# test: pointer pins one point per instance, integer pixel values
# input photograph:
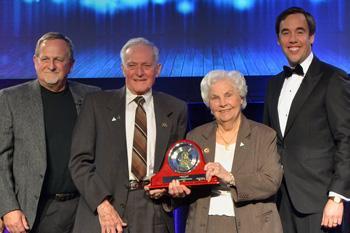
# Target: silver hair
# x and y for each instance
(139, 41)
(235, 77)
(55, 36)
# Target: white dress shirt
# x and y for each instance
(130, 109)
(221, 202)
(289, 89)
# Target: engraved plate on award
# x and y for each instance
(184, 162)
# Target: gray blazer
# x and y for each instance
(258, 174)
(23, 147)
(99, 163)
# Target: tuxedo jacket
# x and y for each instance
(258, 174)
(315, 148)
(23, 147)
(99, 161)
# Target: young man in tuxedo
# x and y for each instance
(308, 105)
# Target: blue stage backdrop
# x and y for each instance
(194, 36)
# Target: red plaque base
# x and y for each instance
(187, 154)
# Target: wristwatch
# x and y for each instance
(336, 199)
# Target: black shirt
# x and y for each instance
(59, 117)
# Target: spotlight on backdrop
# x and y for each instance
(185, 7)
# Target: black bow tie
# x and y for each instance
(296, 70)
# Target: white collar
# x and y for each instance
(130, 96)
(307, 62)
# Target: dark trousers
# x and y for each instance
(346, 219)
(143, 214)
(295, 222)
(55, 216)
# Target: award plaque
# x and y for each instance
(184, 162)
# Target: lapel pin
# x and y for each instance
(242, 144)
(206, 150)
(114, 119)
(164, 125)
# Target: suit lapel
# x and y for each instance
(242, 145)
(115, 116)
(308, 84)
(36, 120)
(278, 81)
(77, 95)
(209, 142)
(163, 126)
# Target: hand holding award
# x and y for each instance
(184, 162)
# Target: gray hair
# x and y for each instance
(139, 41)
(235, 77)
(55, 36)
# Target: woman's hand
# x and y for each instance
(216, 169)
(175, 189)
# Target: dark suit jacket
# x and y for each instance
(99, 164)
(23, 146)
(258, 174)
(315, 149)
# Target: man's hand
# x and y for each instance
(178, 190)
(16, 222)
(332, 214)
(109, 218)
(155, 193)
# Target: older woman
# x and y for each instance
(242, 154)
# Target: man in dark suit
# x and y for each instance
(308, 105)
(102, 162)
(36, 124)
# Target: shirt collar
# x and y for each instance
(130, 96)
(307, 62)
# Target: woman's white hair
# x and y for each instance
(235, 77)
